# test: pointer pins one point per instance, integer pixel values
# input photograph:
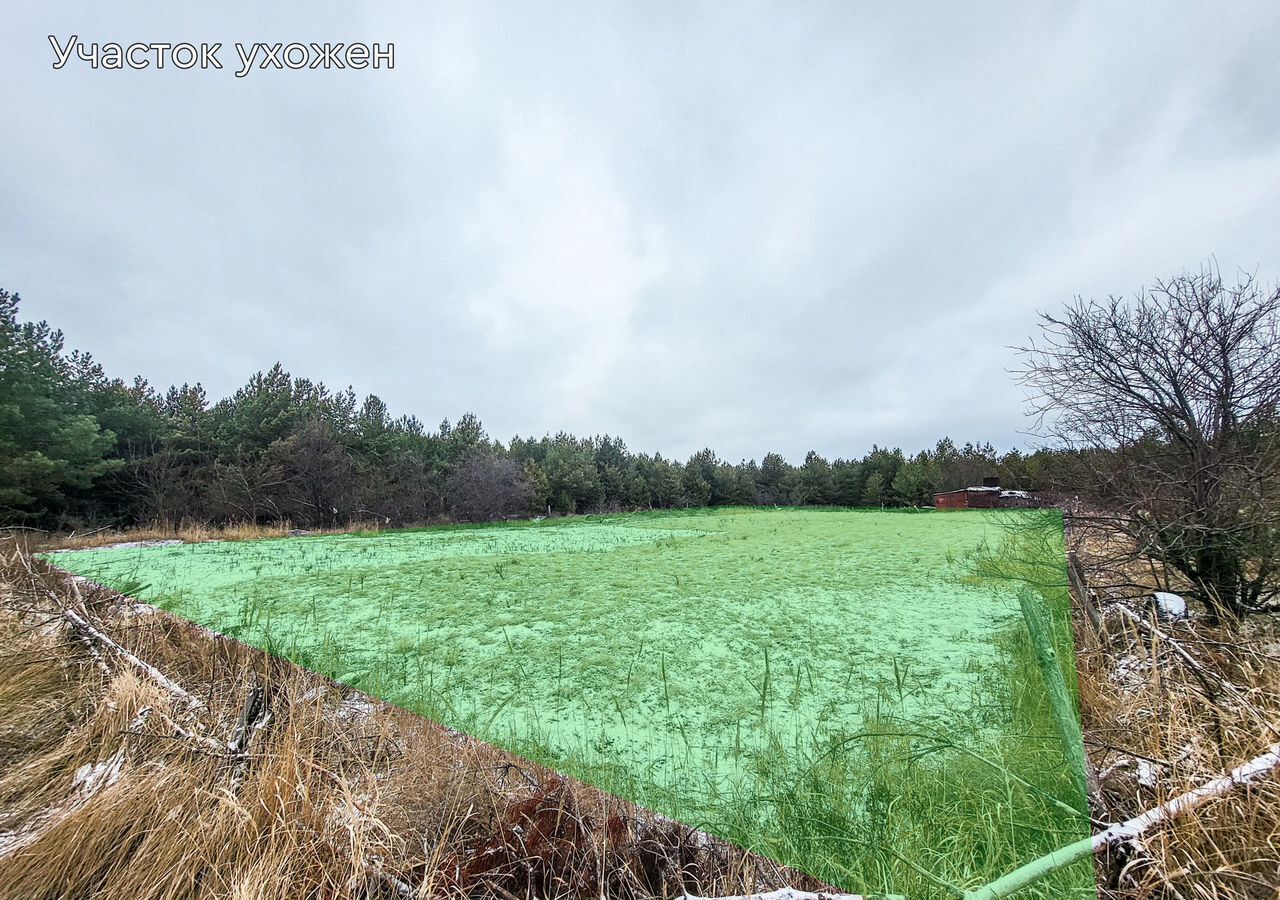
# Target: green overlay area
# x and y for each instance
(852, 692)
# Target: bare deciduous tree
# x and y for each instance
(1172, 399)
(485, 487)
(319, 472)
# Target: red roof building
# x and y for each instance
(968, 498)
(985, 496)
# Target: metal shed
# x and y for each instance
(977, 497)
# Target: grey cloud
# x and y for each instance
(750, 227)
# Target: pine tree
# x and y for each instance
(49, 445)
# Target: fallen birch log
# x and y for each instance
(82, 625)
(1132, 829)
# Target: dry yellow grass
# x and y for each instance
(1155, 728)
(190, 532)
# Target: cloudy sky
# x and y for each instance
(742, 225)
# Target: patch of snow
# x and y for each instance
(13, 841)
(1144, 770)
(1187, 752)
(87, 780)
(92, 776)
(53, 627)
(135, 610)
(129, 545)
(1170, 606)
(1130, 671)
(355, 708)
(1146, 773)
(140, 719)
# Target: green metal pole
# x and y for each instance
(1033, 871)
(1064, 712)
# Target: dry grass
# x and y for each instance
(112, 787)
(1155, 728)
(187, 531)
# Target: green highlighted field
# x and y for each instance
(838, 689)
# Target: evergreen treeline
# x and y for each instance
(78, 448)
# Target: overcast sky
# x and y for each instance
(747, 226)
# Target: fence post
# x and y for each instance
(1075, 574)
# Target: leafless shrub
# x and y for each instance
(485, 487)
(1170, 401)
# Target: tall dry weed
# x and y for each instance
(1156, 727)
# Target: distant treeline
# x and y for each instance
(80, 449)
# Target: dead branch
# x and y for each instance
(1177, 648)
(82, 625)
(253, 717)
(254, 710)
(1203, 674)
